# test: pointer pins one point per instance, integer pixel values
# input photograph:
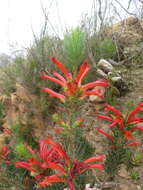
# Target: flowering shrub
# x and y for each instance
(51, 156)
(125, 124)
(72, 87)
(120, 137)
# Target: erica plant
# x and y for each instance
(68, 121)
(72, 87)
(73, 91)
(52, 165)
(64, 161)
(121, 137)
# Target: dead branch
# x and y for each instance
(100, 14)
(126, 10)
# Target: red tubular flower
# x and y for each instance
(72, 87)
(4, 152)
(62, 68)
(134, 143)
(125, 124)
(105, 134)
(28, 166)
(82, 72)
(128, 135)
(106, 118)
(135, 111)
(94, 84)
(114, 110)
(116, 119)
(71, 185)
(60, 77)
(54, 80)
(96, 92)
(54, 166)
(95, 158)
(138, 128)
(96, 166)
(112, 125)
(52, 156)
(49, 180)
(58, 148)
(80, 167)
(135, 120)
(54, 94)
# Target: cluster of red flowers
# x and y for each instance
(4, 153)
(126, 124)
(72, 87)
(52, 156)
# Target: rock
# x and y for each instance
(93, 98)
(105, 65)
(116, 79)
(127, 186)
(87, 187)
(102, 74)
(139, 187)
(123, 173)
(108, 72)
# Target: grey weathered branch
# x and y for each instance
(126, 10)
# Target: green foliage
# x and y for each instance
(134, 174)
(16, 177)
(26, 70)
(104, 48)
(43, 49)
(21, 132)
(21, 151)
(74, 48)
(130, 105)
(16, 127)
(83, 148)
(115, 158)
(79, 149)
(137, 159)
(74, 140)
(76, 145)
(56, 186)
(20, 71)
(8, 76)
(80, 182)
(111, 95)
